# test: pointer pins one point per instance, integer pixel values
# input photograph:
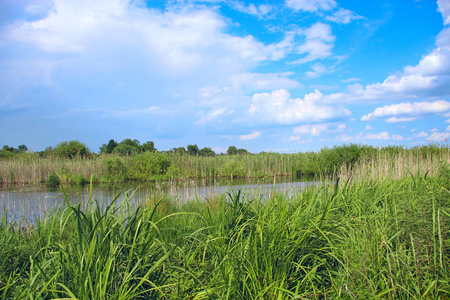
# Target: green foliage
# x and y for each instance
(148, 147)
(116, 169)
(206, 152)
(71, 149)
(22, 148)
(232, 168)
(108, 148)
(148, 166)
(232, 150)
(192, 149)
(52, 181)
(6, 153)
(126, 149)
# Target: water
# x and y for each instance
(32, 202)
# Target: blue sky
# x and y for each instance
(284, 76)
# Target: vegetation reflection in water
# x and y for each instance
(32, 201)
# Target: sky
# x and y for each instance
(284, 76)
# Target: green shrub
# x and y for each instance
(116, 170)
(147, 166)
(72, 149)
(52, 181)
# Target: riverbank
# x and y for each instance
(30, 169)
(360, 238)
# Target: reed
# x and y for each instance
(345, 161)
(361, 238)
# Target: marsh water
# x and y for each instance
(31, 202)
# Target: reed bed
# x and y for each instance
(344, 161)
(353, 239)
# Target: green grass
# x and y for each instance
(359, 238)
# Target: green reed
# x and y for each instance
(351, 238)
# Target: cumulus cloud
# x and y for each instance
(311, 5)
(179, 39)
(250, 136)
(408, 111)
(343, 16)
(368, 127)
(278, 108)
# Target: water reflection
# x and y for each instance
(32, 202)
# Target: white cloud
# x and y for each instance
(259, 11)
(397, 137)
(269, 81)
(400, 120)
(311, 5)
(343, 16)
(318, 43)
(174, 39)
(318, 69)
(298, 140)
(422, 134)
(444, 9)
(378, 136)
(250, 136)
(368, 127)
(429, 78)
(319, 129)
(211, 116)
(277, 107)
(408, 111)
(438, 137)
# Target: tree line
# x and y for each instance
(126, 147)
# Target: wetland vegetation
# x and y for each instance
(377, 227)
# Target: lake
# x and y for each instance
(33, 201)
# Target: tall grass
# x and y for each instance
(353, 160)
(362, 238)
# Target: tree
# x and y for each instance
(179, 150)
(192, 149)
(108, 148)
(125, 149)
(206, 152)
(148, 147)
(23, 148)
(72, 149)
(232, 150)
(130, 142)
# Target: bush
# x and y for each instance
(72, 149)
(147, 166)
(116, 170)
